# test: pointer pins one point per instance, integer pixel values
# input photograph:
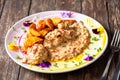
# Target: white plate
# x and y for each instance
(94, 50)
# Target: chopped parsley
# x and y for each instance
(42, 68)
(13, 28)
(65, 65)
(55, 64)
(92, 26)
(86, 54)
(17, 57)
(51, 70)
(91, 42)
(95, 39)
(24, 30)
(86, 46)
(80, 62)
(99, 49)
(94, 55)
(73, 61)
(76, 64)
(16, 37)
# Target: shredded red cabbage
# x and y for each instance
(44, 64)
(95, 31)
(27, 23)
(88, 58)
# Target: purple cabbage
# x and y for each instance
(95, 31)
(27, 23)
(88, 58)
(44, 64)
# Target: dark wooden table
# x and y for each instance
(107, 12)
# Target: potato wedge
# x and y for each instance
(34, 32)
(49, 23)
(44, 31)
(41, 25)
(13, 46)
(30, 41)
(33, 26)
(69, 21)
(56, 20)
(29, 34)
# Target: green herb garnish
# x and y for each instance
(73, 61)
(80, 62)
(55, 64)
(65, 65)
(99, 49)
(13, 28)
(86, 46)
(24, 30)
(16, 37)
(17, 57)
(91, 42)
(95, 39)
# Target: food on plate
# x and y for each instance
(41, 25)
(13, 46)
(35, 54)
(34, 32)
(54, 39)
(49, 23)
(56, 20)
(44, 31)
(30, 41)
(67, 42)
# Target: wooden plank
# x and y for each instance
(72, 5)
(42, 5)
(98, 10)
(13, 11)
(76, 75)
(2, 2)
(62, 76)
(114, 11)
(114, 22)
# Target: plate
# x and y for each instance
(97, 46)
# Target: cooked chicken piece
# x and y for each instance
(35, 54)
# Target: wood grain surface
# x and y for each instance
(107, 12)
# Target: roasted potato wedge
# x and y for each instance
(13, 46)
(41, 25)
(34, 32)
(44, 31)
(49, 23)
(29, 35)
(69, 21)
(30, 41)
(33, 26)
(56, 20)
